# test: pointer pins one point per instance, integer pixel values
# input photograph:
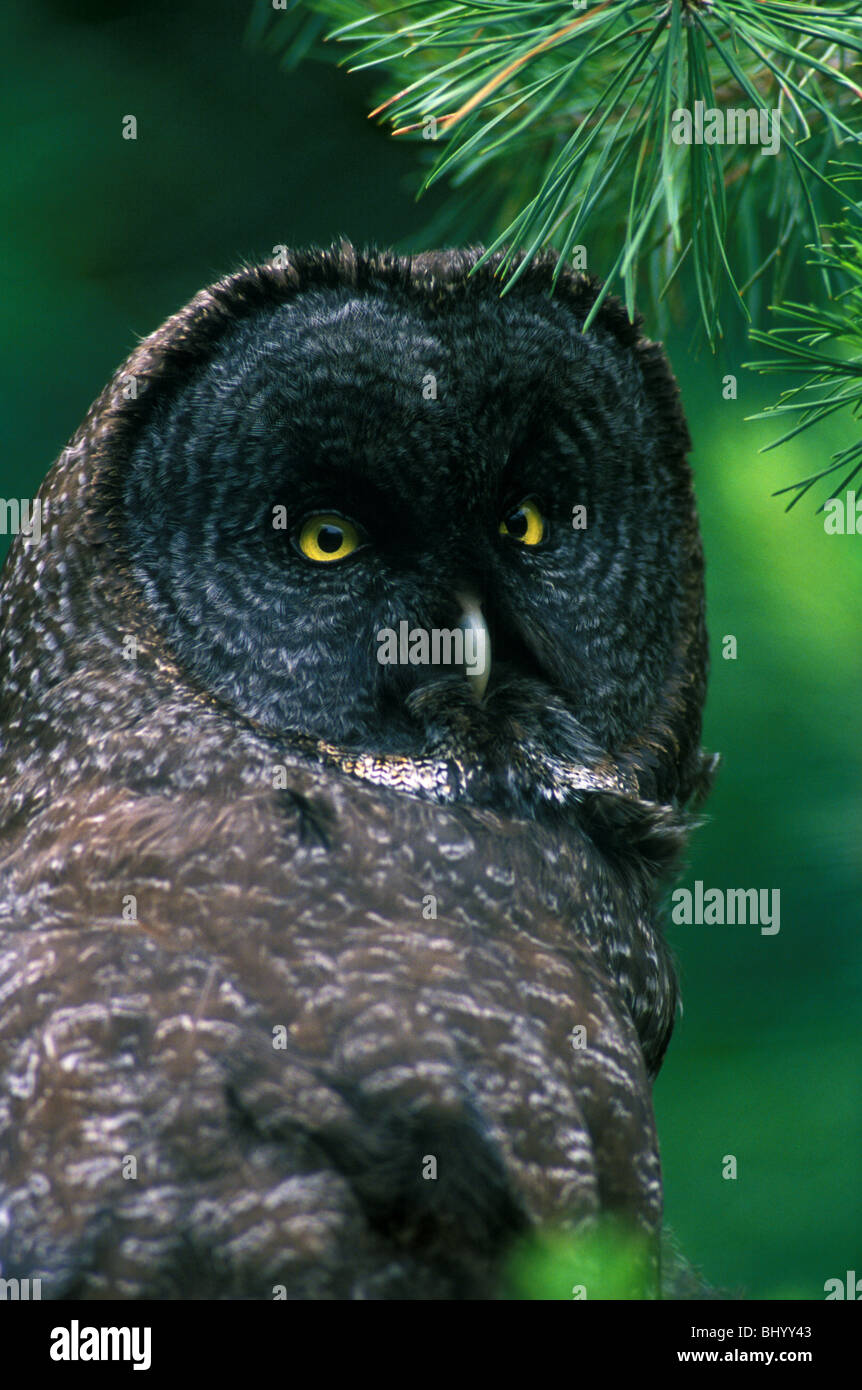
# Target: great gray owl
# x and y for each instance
(323, 974)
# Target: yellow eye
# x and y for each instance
(524, 523)
(326, 537)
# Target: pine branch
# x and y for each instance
(824, 344)
(564, 123)
(559, 126)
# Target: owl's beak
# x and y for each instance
(477, 643)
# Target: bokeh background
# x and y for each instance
(101, 238)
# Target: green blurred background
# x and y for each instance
(102, 238)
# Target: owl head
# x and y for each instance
(443, 538)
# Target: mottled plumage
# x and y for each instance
(221, 817)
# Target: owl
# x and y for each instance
(350, 697)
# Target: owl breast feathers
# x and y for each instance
(330, 969)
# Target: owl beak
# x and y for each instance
(477, 643)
